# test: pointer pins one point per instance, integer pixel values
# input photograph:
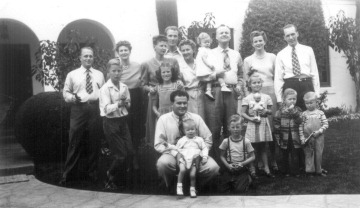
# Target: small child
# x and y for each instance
(191, 149)
(236, 153)
(203, 66)
(286, 126)
(313, 126)
(167, 77)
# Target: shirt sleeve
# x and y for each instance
(204, 148)
(324, 122)
(249, 147)
(68, 87)
(269, 100)
(205, 133)
(144, 77)
(105, 101)
(128, 98)
(278, 78)
(160, 138)
(245, 101)
(314, 73)
(277, 125)
(224, 144)
(301, 126)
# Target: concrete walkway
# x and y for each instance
(34, 193)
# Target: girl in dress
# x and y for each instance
(204, 67)
(167, 77)
(258, 130)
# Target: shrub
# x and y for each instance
(272, 16)
(41, 126)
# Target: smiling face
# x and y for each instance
(190, 129)
(123, 52)
(205, 42)
(115, 73)
(235, 129)
(86, 58)
(223, 34)
(161, 47)
(255, 84)
(291, 36)
(173, 38)
(166, 73)
(180, 105)
(258, 42)
(187, 52)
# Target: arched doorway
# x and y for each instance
(18, 44)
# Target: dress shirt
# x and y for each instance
(284, 69)
(175, 55)
(76, 83)
(110, 97)
(167, 130)
(216, 57)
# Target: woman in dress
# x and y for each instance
(191, 82)
(264, 63)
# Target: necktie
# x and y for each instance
(226, 60)
(89, 88)
(295, 62)
(181, 126)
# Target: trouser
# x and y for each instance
(83, 117)
(119, 140)
(217, 114)
(136, 119)
(301, 87)
(166, 166)
(234, 182)
(291, 166)
(313, 154)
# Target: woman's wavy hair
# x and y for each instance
(174, 73)
(252, 73)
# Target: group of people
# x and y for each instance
(201, 110)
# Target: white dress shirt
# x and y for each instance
(76, 83)
(110, 96)
(284, 69)
(216, 57)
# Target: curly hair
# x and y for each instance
(188, 42)
(174, 73)
(178, 93)
(202, 36)
(125, 43)
(258, 33)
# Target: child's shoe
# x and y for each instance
(225, 89)
(179, 189)
(254, 176)
(192, 192)
(321, 174)
(209, 95)
(324, 171)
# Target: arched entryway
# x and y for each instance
(18, 44)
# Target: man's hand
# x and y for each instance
(180, 158)
(204, 160)
(302, 139)
(179, 85)
(316, 134)
(264, 112)
(152, 90)
(220, 73)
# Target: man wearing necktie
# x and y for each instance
(169, 129)
(228, 65)
(296, 68)
(81, 88)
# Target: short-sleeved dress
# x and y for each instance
(201, 68)
(258, 132)
(163, 96)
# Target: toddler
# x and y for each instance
(236, 153)
(312, 128)
(192, 149)
(204, 67)
(286, 131)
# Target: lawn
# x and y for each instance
(341, 159)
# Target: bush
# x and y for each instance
(41, 126)
(272, 16)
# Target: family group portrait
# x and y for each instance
(179, 100)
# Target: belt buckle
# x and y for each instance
(301, 79)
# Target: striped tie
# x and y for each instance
(89, 88)
(226, 60)
(295, 62)
(181, 126)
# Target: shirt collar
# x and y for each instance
(85, 70)
(177, 51)
(111, 84)
(186, 115)
(221, 49)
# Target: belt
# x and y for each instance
(89, 102)
(305, 79)
(227, 85)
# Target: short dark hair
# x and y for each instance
(178, 93)
(256, 34)
(159, 38)
(188, 42)
(171, 28)
(125, 43)
(174, 73)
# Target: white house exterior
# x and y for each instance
(27, 22)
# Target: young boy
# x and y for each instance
(191, 149)
(236, 153)
(114, 105)
(312, 128)
(286, 125)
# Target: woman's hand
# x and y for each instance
(152, 90)
(255, 119)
